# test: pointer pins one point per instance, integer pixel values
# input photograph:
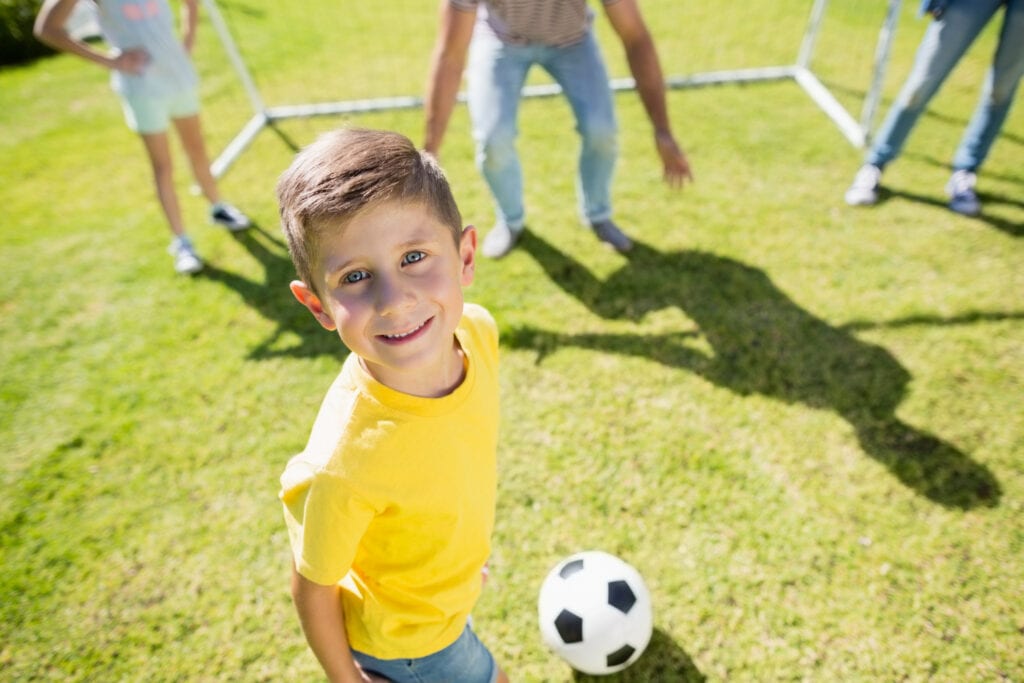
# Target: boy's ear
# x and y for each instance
(307, 298)
(467, 252)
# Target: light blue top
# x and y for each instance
(147, 24)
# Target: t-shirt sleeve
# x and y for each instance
(464, 5)
(325, 521)
(479, 321)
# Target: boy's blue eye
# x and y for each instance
(355, 276)
(413, 257)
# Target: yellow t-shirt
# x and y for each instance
(394, 498)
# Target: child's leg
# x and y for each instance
(221, 213)
(159, 152)
(191, 134)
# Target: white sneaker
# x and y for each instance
(960, 190)
(186, 260)
(229, 216)
(864, 190)
(500, 240)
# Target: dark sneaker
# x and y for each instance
(610, 234)
(500, 240)
(864, 190)
(228, 216)
(962, 198)
(186, 260)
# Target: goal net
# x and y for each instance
(331, 57)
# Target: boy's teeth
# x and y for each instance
(400, 336)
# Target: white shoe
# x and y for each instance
(500, 240)
(229, 216)
(186, 260)
(864, 189)
(960, 190)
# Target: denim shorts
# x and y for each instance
(466, 660)
(147, 114)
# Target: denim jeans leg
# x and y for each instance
(997, 95)
(495, 78)
(580, 70)
(943, 45)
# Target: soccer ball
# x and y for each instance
(595, 612)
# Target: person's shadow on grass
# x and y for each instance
(271, 298)
(662, 662)
(761, 343)
(987, 198)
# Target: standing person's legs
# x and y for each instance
(158, 150)
(495, 78)
(183, 108)
(191, 134)
(944, 43)
(997, 94)
(149, 117)
(581, 72)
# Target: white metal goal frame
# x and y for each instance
(856, 130)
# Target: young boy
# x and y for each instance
(152, 73)
(390, 507)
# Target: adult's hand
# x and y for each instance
(673, 160)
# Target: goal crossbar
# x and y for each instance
(854, 130)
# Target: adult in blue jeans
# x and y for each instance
(955, 25)
(503, 39)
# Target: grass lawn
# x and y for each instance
(800, 421)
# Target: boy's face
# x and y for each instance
(391, 285)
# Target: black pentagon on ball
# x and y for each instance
(621, 656)
(620, 596)
(569, 626)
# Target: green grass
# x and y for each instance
(801, 422)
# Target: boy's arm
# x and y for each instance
(447, 64)
(49, 28)
(320, 614)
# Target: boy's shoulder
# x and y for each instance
(330, 424)
(478, 319)
(478, 334)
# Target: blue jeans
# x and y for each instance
(466, 660)
(496, 74)
(944, 43)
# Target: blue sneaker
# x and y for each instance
(962, 198)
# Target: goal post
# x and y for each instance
(802, 70)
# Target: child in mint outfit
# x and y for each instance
(154, 77)
(390, 507)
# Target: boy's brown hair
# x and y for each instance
(347, 171)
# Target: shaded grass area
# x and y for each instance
(797, 419)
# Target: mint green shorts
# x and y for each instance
(147, 114)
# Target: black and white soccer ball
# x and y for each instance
(595, 612)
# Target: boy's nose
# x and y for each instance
(393, 296)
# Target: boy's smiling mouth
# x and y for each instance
(406, 336)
